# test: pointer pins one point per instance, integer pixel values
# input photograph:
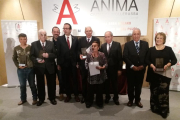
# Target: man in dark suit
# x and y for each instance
(43, 55)
(113, 53)
(67, 53)
(85, 42)
(56, 33)
(134, 55)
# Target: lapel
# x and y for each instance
(39, 46)
(90, 43)
(65, 42)
(105, 49)
(47, 45)
(133, 46)
(73, 40)
(111, 47)
(141, 46)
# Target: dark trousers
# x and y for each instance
(61, 84)
(84, 74)
(135, 81)
(94, 88)
(67, 73)
(50, 78)
(112, 78)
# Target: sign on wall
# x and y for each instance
(118, 16)
(171, 27)
(10, 31)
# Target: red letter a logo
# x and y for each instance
(71, 14)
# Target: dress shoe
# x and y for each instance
(54, 102)
(67, 99)
(61, 97)
(107, 100)
(34, 102)
(39, 103)
(77, 99)
(116, 101)
(164, 114)
(21, 102)
(88, 105)
(100, 105)
(82, 100)
(130, 103)
(139, 104)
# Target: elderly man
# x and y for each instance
(67, 49)
(134, 56)
(43, 55)
(56, 33)
(113, 53)
(84, 43)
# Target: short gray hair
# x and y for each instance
(136, 29)
(88, 27)
(41, 30)
(109, 32)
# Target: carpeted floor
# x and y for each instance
(9, 110)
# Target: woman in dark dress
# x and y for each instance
(95, 82)
(159, 80)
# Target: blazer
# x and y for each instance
(66, 56)
(115, 55)
(49, 62)
(84, 44)
(131, 57)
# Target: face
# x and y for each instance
(88, 32)
(108, 37)
(42, 36)
(23, 40)
(136, 35)
(159, 40)
(56, 33)
(95, 47)
(66, 29)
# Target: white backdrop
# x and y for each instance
(10, 32)
(118, 16)
(171, 27)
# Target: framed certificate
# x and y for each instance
(40, 57)
(159, 64)
(84, 53)
(22, 60)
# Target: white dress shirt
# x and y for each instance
(89, 39)
(42, 43)
(108, 45)
(70, 39)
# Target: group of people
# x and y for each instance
(62, 56)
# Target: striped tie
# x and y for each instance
(137, 47)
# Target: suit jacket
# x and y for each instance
(131, 57)
(49, 62)
(65, 55)
(115, 55)
(84, 44)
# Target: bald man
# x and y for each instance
(134, 56)
(85, 42)
(113, 53)
(43, 55)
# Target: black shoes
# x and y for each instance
(88, 105)
(39, 103)
(54, 102)
(82, 100)
(139, 104)
(116, 101)
(107, 100)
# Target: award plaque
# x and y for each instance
(159, 64)
(22, 60)
(40, 57)
(84, 53)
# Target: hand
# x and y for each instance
(41, 61)
(22, 67)
(153, 67)
(81, 57)
(58, 67)
(141, 67)
(166, 66)
(135, 68)
(45, 55)
(119, 72)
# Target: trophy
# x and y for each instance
(84, 53)
(159, 64)
(40, 56)
(22, 59)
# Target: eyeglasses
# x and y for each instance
(66, 28)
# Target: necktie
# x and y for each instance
(68, 42)
(88, 40)
(43, 46)
(137, 47)
(109, 48)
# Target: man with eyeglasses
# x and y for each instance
(67, 54)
